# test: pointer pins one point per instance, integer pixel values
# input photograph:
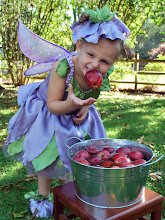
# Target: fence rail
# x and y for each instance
(136, 62)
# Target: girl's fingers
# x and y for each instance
(89, 101)
(78, 101)
(77, 121)
(70, 89)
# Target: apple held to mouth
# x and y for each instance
(93, 79)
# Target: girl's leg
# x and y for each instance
(43, 207)
(44, 185)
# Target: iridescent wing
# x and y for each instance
(38, 49)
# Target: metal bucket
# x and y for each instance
(106, 187)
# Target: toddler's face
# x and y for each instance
(100, 56)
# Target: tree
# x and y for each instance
(151, 38)
(52, 19)
(40, 17)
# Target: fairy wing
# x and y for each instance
(38, 50)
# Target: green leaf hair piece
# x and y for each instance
(100, 15)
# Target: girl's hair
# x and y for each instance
(83, 18)
(125, 52)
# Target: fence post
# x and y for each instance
(136, 69)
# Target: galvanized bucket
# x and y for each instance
(106, 187)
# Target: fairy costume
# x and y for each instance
(36, 136)
(35, 133)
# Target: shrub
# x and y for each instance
(122, 70)
(156, 67)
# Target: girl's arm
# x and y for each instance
(56, 89)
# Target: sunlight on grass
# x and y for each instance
(3, 132)
(112, 134)
(11, 169)
(8, 111)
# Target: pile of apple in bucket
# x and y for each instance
(109, 158)
(109, 173)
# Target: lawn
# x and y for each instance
(137, 117)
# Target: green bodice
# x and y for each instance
(63, 70)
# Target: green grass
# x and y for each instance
(125, 116)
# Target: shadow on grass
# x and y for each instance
(8, 107)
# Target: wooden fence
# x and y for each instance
(136, 62)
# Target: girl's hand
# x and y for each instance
(55, 94)
(81, 115)
(75, 102)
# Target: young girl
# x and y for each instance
(62, 105)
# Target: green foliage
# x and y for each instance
(52, 20)
(122, 70)
(151, 37)
(48, 20)
(156, 66)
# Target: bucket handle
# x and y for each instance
(147, 164)
(65, 142)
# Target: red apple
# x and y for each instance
(104, 154)
(92, 150)
(138, 162)
(81, 160)
(82, 153)
(124, 150)
(135, 155)
(107, 163)
(95, 160)
(115, 156)
(122, 161)
(109, 149)
(115, 167)
(130, 165)
(93, 79)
